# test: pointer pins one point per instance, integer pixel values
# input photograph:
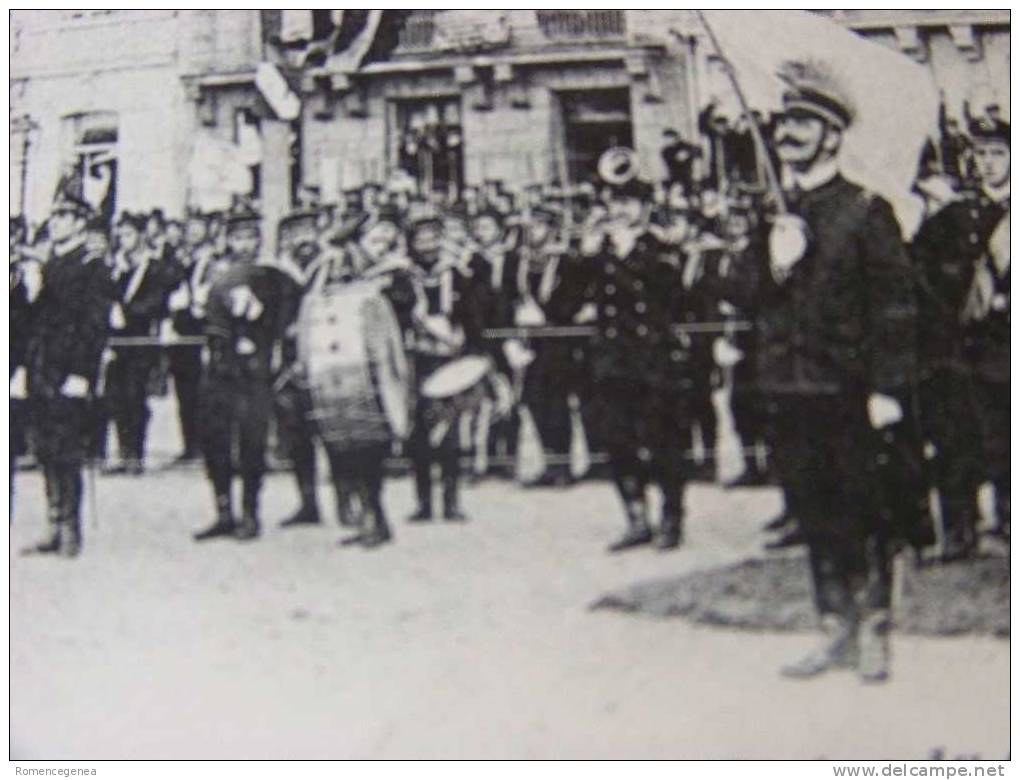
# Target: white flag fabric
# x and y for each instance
(895, 100)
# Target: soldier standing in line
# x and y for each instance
(249, 308)
(438, 333)
(25, 274)
(298, 249)
(551, 284)
(836, 318)
(640, 364)
(962, 256)
(195, 258)
(142, 281)
(70, 326)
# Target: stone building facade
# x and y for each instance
(460, 98)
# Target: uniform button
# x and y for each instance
(676, 355)
(578, 355)
(640, 307)
(610, 269)
(610, 289)
(610, 311)
(973, 238)
(639, 285)
(610, 333)
(642, 330)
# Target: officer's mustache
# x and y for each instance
(785, 139)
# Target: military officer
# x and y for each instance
(962, 256)
(25, 274)
(835, 316)
(640, 364)
(64, 356)
(249, 308)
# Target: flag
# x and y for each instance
(895, 100)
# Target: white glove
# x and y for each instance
(529, 313)
(787, 245)
(245, 346)
(240, 298)
(75, 386)
(883, 410)
(32, 279)
(117, 320)
(725, 354)
(19, 384)
(588, 313)
(180, 299)
(517, 355)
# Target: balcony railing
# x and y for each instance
(582, 25)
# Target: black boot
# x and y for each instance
(70, 538)
(51, 544)
(307, 514)
(423, 514)
(671, 531)
(638, 531)
(451, 502)
(224, 524)
(249, 527)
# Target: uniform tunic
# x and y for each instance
(641, 366)
(964, 360)
(236, 388)
(840, 328)
(69, 333)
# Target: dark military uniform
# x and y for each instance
(641, 369)
(555, 279)
(440, 291)
(839, 329)
(69, 333)
(237, 385)
(186, 360)
(965, 362)
(142, 294)
(20, 323)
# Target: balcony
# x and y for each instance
(582, 26)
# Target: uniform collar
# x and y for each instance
(817, 176)
(999, 195)
(69, 245)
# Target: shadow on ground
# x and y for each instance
(969, 597)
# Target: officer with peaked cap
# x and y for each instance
(71, 314)
(835, 316)
(249, 309)
(962, 256)
(640, 364)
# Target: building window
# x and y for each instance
(594, 120)
(249, 143)
(430, 144)
(93, 156)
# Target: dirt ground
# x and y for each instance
(471, 641)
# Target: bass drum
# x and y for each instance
(350, 345)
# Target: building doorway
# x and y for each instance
(594, 120)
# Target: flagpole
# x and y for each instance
(759, 141)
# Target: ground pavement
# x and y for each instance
(457, 641)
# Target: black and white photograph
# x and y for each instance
(510, 385)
